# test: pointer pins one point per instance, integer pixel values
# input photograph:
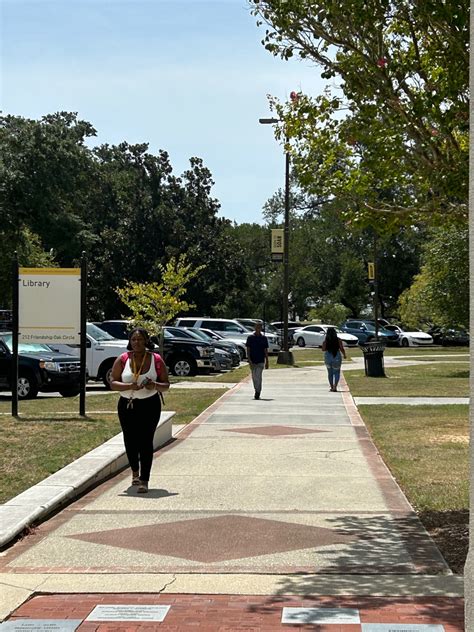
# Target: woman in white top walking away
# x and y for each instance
(141, 376)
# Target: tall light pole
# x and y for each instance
(285, 356)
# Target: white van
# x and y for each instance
(227, 328)
(101, 351)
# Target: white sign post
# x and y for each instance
(49, 305)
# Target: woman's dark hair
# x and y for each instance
(332, 341)
(143, 332)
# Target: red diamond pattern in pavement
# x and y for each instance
(274, 431)
(219, 538)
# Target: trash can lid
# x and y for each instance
(372, 347)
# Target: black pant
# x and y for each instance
(139, 423)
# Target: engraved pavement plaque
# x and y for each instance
(297, 616)
(40, 625)
(402, 627)
(128, 613)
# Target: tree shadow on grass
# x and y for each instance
(458, 374)
(450, 532)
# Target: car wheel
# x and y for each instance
(242, 354)
(107, 375)
(27, 386)
(405, 342)
(69, 392)
(300, 342)
(183, 367)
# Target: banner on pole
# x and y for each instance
(371, 271)
(49, 305)
(278, 246)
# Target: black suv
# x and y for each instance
(183, 356)
(39, 368)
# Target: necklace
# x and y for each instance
(133, 366)
(136, 375)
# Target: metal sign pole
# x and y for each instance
(83, 368)
(376, 289)
(15, 333)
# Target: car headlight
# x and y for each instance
(50, 366)
(204, 351)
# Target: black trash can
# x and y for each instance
(373, 358)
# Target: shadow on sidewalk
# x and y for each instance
(152, 493)
(437, 609)
(395, 547)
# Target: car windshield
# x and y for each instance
(201, 334)
(24, 347)
(97, 333)
(185, 333)
(213, 334)
(271, 329)
(326, 327)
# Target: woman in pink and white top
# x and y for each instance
(141, 376)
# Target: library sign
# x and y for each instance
(49, 305)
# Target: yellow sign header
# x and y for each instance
(48, 271)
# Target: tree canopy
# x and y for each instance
(389, 136)
(120, 204)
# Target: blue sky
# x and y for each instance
(187, 76)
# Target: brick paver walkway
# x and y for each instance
(256, 506)
(226, 613)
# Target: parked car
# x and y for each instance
(314, 335)
(223, 360)
(414, 338)
(183, 356)
(101, 351)
(218, 343)
(267, 328)
(6, 320)
(292, 327)
(292, 324)
(40, 369)
(117, 328)
(227, 328)
(364, 330)
(449, 337)
(238, 342)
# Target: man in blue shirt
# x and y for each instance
(257, 354)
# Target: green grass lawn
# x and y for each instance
(442, 379)
(42, 441)
(409, 352)
(301, 357)
(427, 451)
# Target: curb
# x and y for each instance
(68, 483)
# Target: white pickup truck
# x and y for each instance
(101, 351)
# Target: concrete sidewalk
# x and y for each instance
(273, 499)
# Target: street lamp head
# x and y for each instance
(268, 121)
